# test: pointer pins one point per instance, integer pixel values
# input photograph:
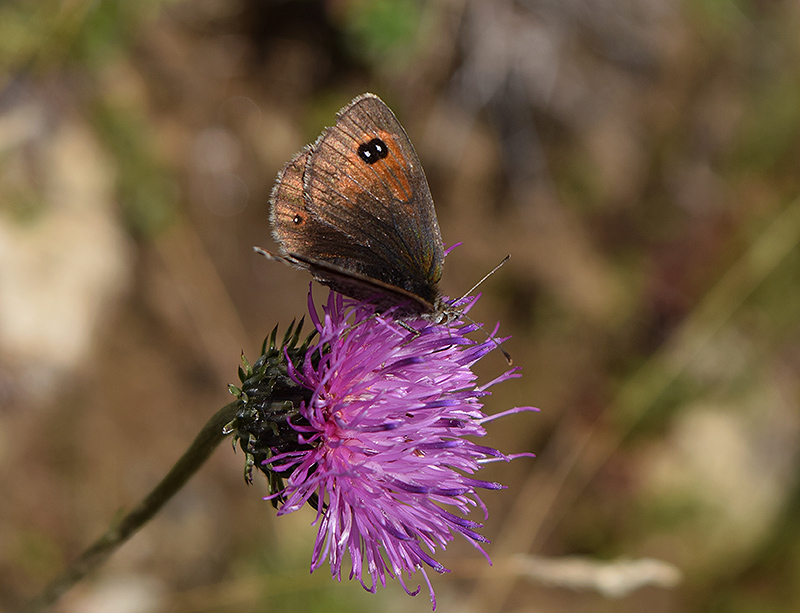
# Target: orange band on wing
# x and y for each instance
(393, 168)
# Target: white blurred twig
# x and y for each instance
(613, 579)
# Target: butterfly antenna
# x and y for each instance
(497, 344)
(486, 276)
(505, 353)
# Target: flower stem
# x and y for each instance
(120, 531)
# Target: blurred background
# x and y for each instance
(637, 158)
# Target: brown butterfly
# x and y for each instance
(355, 210)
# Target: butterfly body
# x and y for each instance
(355, 210)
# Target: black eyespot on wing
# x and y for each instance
(373, 151)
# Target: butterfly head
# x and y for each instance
(443, 311)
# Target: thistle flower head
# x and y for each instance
(373, 434)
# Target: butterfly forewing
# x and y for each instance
(355, 209)
(383, 204)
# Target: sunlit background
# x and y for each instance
(639, 160)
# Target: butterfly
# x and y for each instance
(355, 210)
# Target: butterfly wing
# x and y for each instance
(308, 242)
(294, 226)
(364, 185)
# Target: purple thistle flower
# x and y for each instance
(380, 447)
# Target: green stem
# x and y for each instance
(199, 451)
